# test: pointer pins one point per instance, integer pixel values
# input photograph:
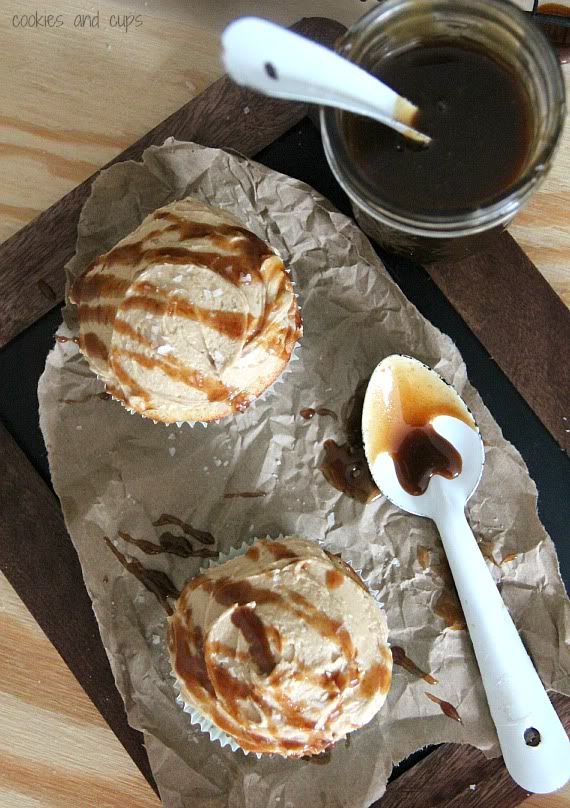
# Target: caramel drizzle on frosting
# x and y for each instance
(230, 323)
(251, 626)
(214, 389)
(239, 262)
(334, 579)
(103, 314)
(127, 381)
(93, 346)
(94, 284)
(229, 264)
(200, 666)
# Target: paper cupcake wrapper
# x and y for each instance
(196, 716)
(267, 392)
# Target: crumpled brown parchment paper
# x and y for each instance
(115, 472)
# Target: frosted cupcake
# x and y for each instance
(189, 318)
(281, 650)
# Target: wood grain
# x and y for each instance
(85, 95)
(56, 750)
(39, 561)
(217, 118)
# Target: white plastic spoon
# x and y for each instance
(533, 741)
(274, 61)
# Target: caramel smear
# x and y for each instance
(155, 581)
(169, 543)
(309, 412)
(446, 708)
(486, 548)
(423, 554)
(449, 609)
(61, 338)
(319, 760)
(200, 535)
(102, 396)
(400, 658)
(447, 605)
(245, 494)
(345, 466)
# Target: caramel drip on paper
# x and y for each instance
(62, 338)
(200, 535)
(400, 658)
(169, 543)
(447, 605)
(155, 581)
(245, 494)
(424, 556)
(100, 396)
(309, 412)
(345, 466)
(446, 708)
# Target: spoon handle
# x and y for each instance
(534, 743)
(282, 64)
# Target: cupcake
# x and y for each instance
(281, 650)
(189, 318)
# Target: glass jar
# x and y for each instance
(506, 34)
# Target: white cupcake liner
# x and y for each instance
(196, 717)
(262, 397)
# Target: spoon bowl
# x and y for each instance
(401, 400)
(468, 443)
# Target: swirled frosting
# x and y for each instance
(188, 318)
(282, 648)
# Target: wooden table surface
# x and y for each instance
(71, 98)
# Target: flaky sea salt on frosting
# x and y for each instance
(190, 317)
(282, 648)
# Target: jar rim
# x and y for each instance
(460, 223)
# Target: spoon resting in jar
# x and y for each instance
(426, 455)
(277, 62)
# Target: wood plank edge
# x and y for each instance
(33, 540)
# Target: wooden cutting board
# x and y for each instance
(33, 538)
